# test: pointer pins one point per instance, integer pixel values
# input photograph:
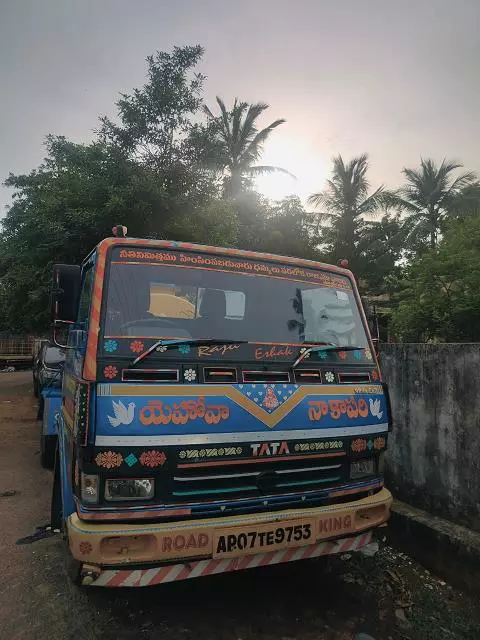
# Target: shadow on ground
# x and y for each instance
(388, 596)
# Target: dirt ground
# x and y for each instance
(388, 596)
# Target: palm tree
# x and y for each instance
(429, 195)
(241, 143)
(345, 200)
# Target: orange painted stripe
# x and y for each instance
(254, 255)
(117, 580)
(90, 365)
(267, 559)
(185, 573)
(163, 573)
(309, 550)
(289, 554)
(210, 567)
(220, 463)
(329, 546)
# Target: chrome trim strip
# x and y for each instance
(302, 470)
(225, 476)
(246, 436)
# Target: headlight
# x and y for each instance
(89, 488)
(129, 489)
(363, 467)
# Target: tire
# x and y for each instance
(72, 566)
(48, 445)
(41, 406)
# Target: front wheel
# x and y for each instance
(73, 567)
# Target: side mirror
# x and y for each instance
(65, 292)
(60, 329)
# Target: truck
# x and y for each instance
(221, 409)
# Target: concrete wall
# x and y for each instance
(434, 450)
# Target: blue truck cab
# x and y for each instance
(52, 405)
(220, 409)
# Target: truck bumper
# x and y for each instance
(147, 577)
(143, 554)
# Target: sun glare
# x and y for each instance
(310, 170)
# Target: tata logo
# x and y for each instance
(270, 449)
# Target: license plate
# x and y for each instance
(362, 468)
(268, 537)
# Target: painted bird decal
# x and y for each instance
(122, 414)
(375, 408)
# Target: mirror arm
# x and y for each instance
(55, 325)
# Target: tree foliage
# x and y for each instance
(440, 296)
(153, 168)
(344, 203)
(240, 143)
(167, 167)
(429, 196)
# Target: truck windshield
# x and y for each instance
(176, 301)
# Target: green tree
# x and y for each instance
(429, 195)
(380, 248)
(286, 229)
(240, 143)
(155, 128)
(468, 202)
(344, 203)
(440, 297)
(144, 172)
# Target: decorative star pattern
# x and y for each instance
(265, 394)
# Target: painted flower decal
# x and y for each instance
(379, 443)
(329, 376)
(374, 374)
(342, 355)
(152, 459)
(304, 350)
(184, 349)
(190, 375)
(357, 355)
(136, 346)
(85, 548)
(322, 354)
(110, 372)
(161, 348)
(359, 445)
(109, 459)
(110, 346)
(368, 354)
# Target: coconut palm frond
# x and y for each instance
(260, 170)
(242, 141)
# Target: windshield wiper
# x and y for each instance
(200, 342)
(323, 346)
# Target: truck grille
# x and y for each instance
(247, 478)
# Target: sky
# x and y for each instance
(398, 80)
